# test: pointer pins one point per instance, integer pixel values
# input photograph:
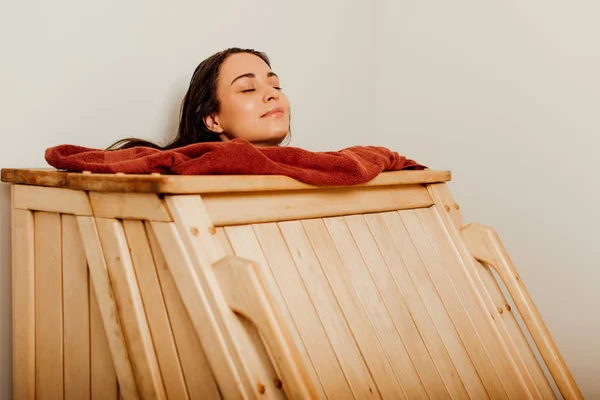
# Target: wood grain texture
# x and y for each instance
(173, 184)
(23, 304)
(51, 199)
(76, 312)
(48, 307)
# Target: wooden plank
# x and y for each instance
(246, 293)
(410, 267)
(242, 242)
(144, 206)
(131, 309)
(200, 381)
(460, 274)
(249, 355)
(300, 245)
(76, 312)
(194, 289)
(486, 246)
(23, 304)
(296, 308)
(52, 200)
(473, 324)
(195, 184)
(102, 370)
(399, 313)
(453, 221)
(48, 306)
(514, 332)
(156, 312)
(384, 354)
(256, 207)
(111, 321)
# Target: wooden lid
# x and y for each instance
(188, 184)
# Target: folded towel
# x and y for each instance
(351, 166)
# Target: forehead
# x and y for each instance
(240, 64)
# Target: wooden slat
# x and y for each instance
(23, 304)
(76, 312)
(435, 306)
(452, 219)
(384, 354)
(459, 274)
(102, 370)
(300, 245)
(195, 292)
(144, 206)
(400, 314)
(105, 297)
(399, 291)
(486, 247)
(131, 309)
(199, 377)
(256, 207)
(242, 242)
(246, 294)
(195, 184)
(514, 332)
(296, 307)
(49, 199)
(48, 306)
(156, 311)
(473, 324)
(198, 236)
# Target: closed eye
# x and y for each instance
(248, 90)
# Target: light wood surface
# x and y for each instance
(107, 306)
(156, 312)
(200, 381)
(449, 219)
(131, 309)
(194, 296)
(248, 354)
(294, 302)
(237, 209)
(487, 247)
(76, 309)
(50, 199)
(144, 206)
(48, 307)
(177, 184)
(382, 350)
(23, 304)
(246, 294)
(399, 288)
(371, 261)
(102, 371)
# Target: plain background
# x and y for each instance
(504, 94)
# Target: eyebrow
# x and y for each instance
(252, 75)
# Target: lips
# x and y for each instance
(273, 112)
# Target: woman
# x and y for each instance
(232, 94)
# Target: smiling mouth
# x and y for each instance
(274, 112)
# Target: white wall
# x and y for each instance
(506, 94)
(90, 73)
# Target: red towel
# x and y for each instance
(351, 166)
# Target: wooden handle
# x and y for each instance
(246, 294)
(485, 245)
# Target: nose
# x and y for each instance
(271, 93)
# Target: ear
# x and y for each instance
(212, 123)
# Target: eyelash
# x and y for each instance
(252, 90)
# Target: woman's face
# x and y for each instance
(252, 104)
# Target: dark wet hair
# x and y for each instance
(200, 101)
